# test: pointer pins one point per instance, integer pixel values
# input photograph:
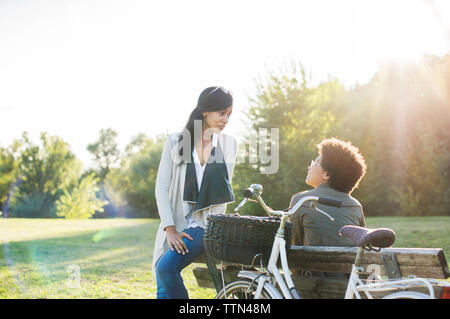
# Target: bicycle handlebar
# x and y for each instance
(256, 189)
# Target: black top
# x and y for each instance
(215, 187)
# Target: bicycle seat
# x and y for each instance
(380, 237)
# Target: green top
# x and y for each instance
(311, 228)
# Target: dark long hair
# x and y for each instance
(212, 99)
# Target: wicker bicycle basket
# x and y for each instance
(238, 239)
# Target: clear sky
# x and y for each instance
(72, 68)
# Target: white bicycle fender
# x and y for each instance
(267, 285)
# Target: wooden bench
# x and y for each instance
(391, 263)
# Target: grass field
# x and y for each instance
(38, 256)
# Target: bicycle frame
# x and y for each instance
(356, 285)
(279, 250)
(287, 285)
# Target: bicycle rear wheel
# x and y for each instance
(242, 289)
(407, 295)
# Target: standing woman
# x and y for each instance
(194, 180)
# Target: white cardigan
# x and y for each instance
(170, 187)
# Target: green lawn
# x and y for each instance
(114, 255)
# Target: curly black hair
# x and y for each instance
(343, 163)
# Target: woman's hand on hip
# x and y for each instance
(175, 240)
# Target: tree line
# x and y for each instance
(399, 119)
(46, 180)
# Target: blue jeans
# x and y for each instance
(169, 283)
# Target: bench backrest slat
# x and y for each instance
(426, 262)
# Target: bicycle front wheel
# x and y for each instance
(242, 289)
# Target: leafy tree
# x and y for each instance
(400, 121)
(8, 174)
(81, 202)
(132, 185)
(44, 171)
(105, 152)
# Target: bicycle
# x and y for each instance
(262, 284)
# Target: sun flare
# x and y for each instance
(400, 30)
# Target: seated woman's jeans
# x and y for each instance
(169, 282)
